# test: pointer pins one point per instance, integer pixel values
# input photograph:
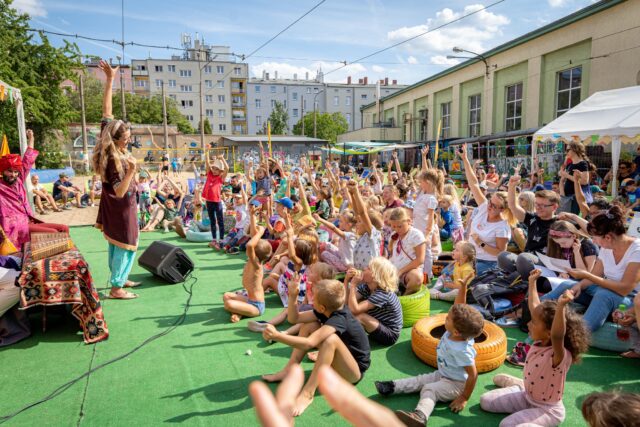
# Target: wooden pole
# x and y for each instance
(85, 143)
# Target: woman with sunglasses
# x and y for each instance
(490, 229)
(576, 160)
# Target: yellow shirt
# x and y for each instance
(462, 272)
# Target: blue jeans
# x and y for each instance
(600, 302)
(482, 266)
(216, 216)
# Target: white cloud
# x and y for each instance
(472, 33)
(286, 71)
(32, 7)
(377, 69)
(412, 60)
(557, 3)
(443, 60)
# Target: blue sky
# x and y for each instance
(338, 30)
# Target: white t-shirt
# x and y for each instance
(613, 271)
(424, 202)
(404, 249)
(487, 232)
(346, 247)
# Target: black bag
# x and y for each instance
(494, 284)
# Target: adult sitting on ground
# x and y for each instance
(41, 194)
(615, 277)
(490, 228)
(537, 224)
(63, 189)
(16, 217)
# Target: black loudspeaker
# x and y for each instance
(166, 261)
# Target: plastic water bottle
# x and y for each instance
(622, 332)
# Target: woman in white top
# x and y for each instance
(615, 277)
(406, 250)
(490, 229)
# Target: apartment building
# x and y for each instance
(207, 74)
(299, 96)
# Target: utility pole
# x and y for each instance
(164, 119)
(85, 144)
(201, 110)
(122, 104)
(302, 112)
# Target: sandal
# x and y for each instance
(519, 354)
(130, 284)
(631, 354)
(126, 295)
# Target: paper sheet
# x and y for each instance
(555, 264)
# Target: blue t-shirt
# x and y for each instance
(634, 196)
(453, 356)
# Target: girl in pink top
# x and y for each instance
(560, 336)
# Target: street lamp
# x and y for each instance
(124, 111)
(315, 108)
(476, 55)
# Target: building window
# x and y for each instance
(238, 128)
(424, 120)
(208, 98)
(304, 104)
(185, 73)
(348, 116)
(273, 103)
(272, 89)
(141, 83)
(257, 89)
(221, 99)
(294, 96)
(258, 120)
(315, 90)
(220, 84)
(173, 97)
(336, 101)
(171, 68)
(207, 69)
(158, 83)
(209, 113)
(186, 88)
(445, 112)
(221, 114)
(220, 69)
(284, 89)
(158, 68)
(285, 104)
(347, 100)
(363, 96)
(237, 71)
(186, 103)
(172, 83)
(295, 112)
(189, 117)
(308, 90)
(474, 115)
(140, 67)
(569, 86)
(513, 110)
(208, 84)
(222, 126)
(258, 104)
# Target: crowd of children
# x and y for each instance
(303, 231)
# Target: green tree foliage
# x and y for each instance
(328, 126)
(279, 119)
(140, 110)
(30, 63)
(207, 126)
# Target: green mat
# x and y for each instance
(198, 374)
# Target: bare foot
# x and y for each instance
(302, 402)
(121, 294)
(631, 354)
(275, 378)
(313, 356)
(235, 318)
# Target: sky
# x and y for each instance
(336, 31)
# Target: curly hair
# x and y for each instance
(577, 336)
(614, 408)
(467, 320)
(106, 148)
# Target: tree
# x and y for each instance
(207, 126)
(30, 63)
(328, 126)
(279, 119)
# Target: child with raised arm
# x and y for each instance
(340, 257)
(212, 194)
(258, 251)
(331, 328)
(456, 376)
(560, 336)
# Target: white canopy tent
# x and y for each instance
(11, 95)
(611, 116)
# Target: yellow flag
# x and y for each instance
(269, 138)
(435, 155)
(4, 150)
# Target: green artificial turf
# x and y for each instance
(198, 374)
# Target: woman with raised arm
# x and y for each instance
(117, 216)
(490, 229)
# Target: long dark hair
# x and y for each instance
(553, 249)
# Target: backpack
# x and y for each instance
(489, 289)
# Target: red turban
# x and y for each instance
(10, 161)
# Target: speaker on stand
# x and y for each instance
(166, 261)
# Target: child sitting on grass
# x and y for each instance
(340, 257)
(456, 376)
(332, 329)
(258, 251)
(560, 336)
(165, 215)
(461, 269)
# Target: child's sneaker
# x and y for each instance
(257, 325)
(233, 251)
(385, 388)
(434, 293)
(267, 268)
(519, 354)
(415, 418)
(507, 322)
(504, 380)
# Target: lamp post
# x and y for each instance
(476, 55)
(315, 109)
(122, 104)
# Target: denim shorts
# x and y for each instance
(257, 304)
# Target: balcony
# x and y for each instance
(239, 119)
(241, 104)
(139, 73)
(237, 90)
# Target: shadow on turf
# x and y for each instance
(61, 327)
